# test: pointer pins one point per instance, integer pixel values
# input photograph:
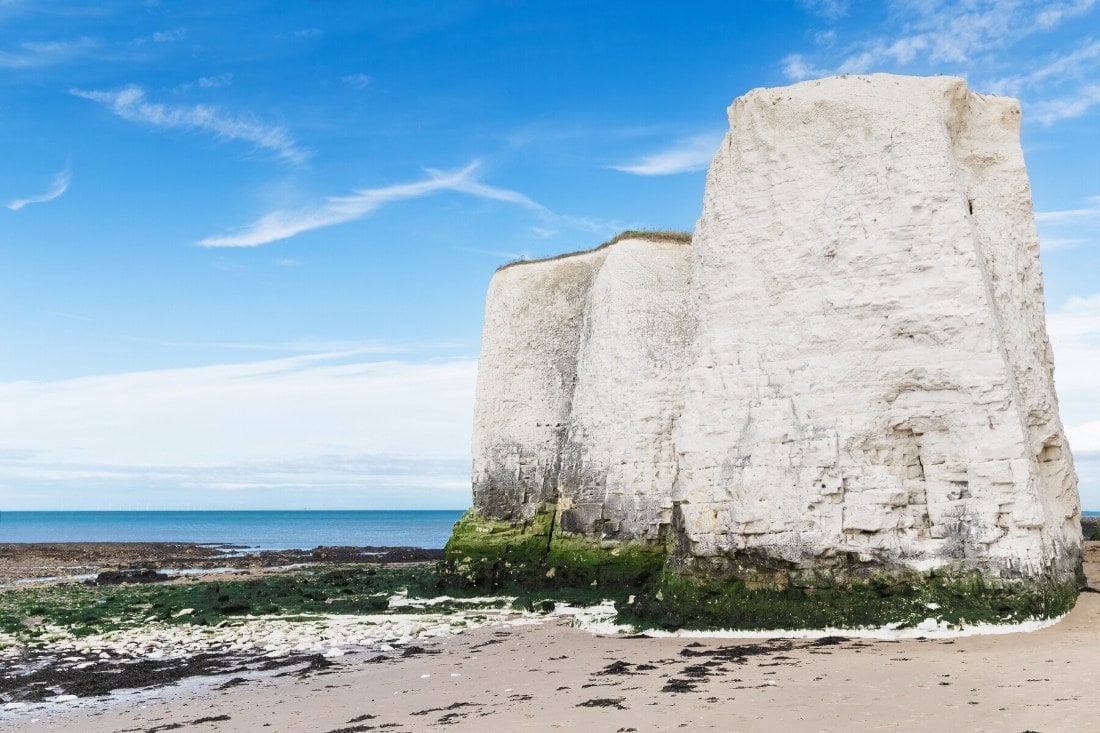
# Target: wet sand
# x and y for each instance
(549, 676)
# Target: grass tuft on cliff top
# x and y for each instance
(649, 235)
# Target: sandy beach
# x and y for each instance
(520, 673)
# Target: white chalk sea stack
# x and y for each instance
(843, 379)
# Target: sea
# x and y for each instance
(252, 531)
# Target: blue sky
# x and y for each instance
(245, 245)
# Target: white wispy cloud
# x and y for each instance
(978, 40)
(1064, 215)
(1053, 13)
(944, 35)
(686, 155)
(1087, 466)
(215, 82)
(320, 421)
(1082, 59)
(1049, 111)
(345, 349)
(1075, 336)
(365, 472)
(495, 253)
(1084, 437)
(1050, 244)
(901, 52)
(207, 82)
(58, 186)
(829, 9)
(130, 104)
(326, 482)
(797, 68)
(1074, 329)
(169, 36)
(1066, 228)
(359, 81)
(283, 224)
(37, 54)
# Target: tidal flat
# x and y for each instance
(338, 646)
(68, 634)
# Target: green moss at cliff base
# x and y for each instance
(694, 602)
(485, 553)
(534, 562)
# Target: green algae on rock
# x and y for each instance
(901, 600)
(489, 553)
(747, 592)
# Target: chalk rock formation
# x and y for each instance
(845, 377)
(580, 382)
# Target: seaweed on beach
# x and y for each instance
(453, 706)
(603, 702)
(42, 676)
(41, 613)
(187, 724)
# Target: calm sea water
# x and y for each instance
(259, 530)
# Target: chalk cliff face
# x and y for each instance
(873, 374)
(580, 382)
(845, 376)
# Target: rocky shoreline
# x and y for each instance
(28, 562)
(53, 662)
(67, 668)
(459, 659)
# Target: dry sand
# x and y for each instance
(552, 677)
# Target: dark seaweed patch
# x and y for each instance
(48, 677)
(196, 721)
(452, 706)
(616, 668)
(603, 702)
(678, 685)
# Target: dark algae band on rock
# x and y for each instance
(833, 404)
(535, 562)
(694, 602)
